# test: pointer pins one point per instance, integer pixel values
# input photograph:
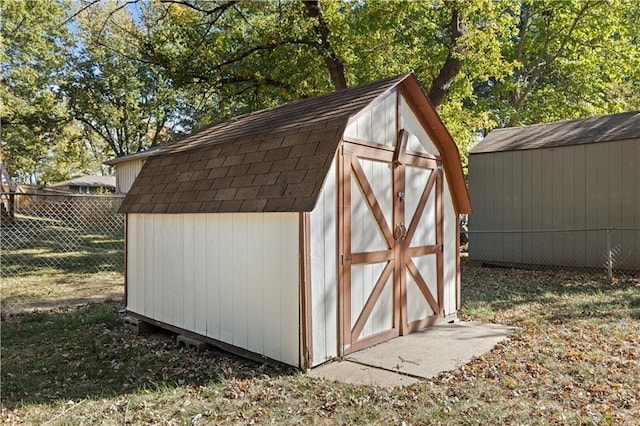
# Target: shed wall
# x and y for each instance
(230, 277)
(126, 173)
(419, 140)
(450, 250)
(376, 124)
(553, 206)
(324, 271)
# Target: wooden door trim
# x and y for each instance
(457, 263)
(372, 202)
(379, 153)
(377, 290)
(440, 238)
(400, 290)
(371, 257)
(372, 340)
(422, 204)
(305, 291)
(422, 286)
(411, 252)
(344, 246)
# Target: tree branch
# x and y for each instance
(521, 96)
(218, 9)
(331, 60)
(452, 65)
(82, 9)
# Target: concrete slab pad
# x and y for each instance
(358, 374)
(407, 359)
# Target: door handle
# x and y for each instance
(400, 232)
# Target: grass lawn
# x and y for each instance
(575, 360)
(47, 263)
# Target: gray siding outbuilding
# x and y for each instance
(558, 194)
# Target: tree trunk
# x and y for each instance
(334, 65)
(452, 65)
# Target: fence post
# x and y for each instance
(609, 256)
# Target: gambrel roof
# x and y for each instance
(605, 128)
(273, 160)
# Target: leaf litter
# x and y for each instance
(575, 360)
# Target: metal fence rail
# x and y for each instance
(615, 252)
(59, 249)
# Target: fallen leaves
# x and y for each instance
(574, 360)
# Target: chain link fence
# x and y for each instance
(60, 249)
(612, 252)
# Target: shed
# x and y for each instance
(303, 232)
(561, 194)
(128, 166)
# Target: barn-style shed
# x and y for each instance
(562, 194)
(302, 232)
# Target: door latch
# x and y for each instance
(400, 232)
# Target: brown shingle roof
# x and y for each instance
(272, 160)
(605, 128)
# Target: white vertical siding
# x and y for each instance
(377, 124)
(230, 277)
(126, 173)
(365, 233)
(450, 250)
(324, 271)
(418, 140)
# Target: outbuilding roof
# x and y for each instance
(605, 128)
(135, 156)
(93, 181)
(273, 160)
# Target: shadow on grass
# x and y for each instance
(560, 295)
(33, 244)
(17, 305)
(87, 261)
(88, 353)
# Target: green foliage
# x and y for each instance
(573, 59)
(134, 80)
(35, 124)
(249, 55)
(120, 101)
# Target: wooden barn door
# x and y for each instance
(422, 291)
(391, 258)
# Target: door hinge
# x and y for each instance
(441, 248)
(344, 259)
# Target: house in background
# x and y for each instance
(128, 167)
(561, 194)
(89, 184)
(303, 232)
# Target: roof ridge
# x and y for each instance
(603, 128)
(571, 120)
(235, 118)
(194, 140)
